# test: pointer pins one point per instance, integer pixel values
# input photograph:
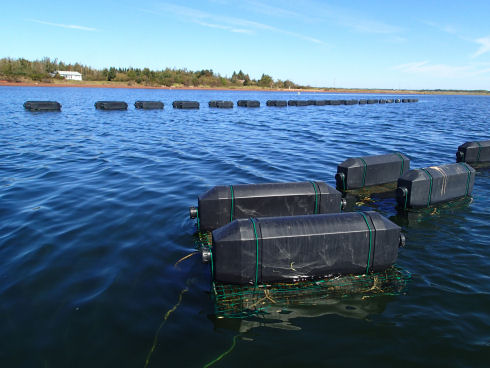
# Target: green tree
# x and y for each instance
(21, 69)
(110, 73)
(266, 81)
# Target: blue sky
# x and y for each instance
(371, 44)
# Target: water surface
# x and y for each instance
(94, 215)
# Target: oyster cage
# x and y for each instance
(241, 301)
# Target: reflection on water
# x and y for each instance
(413, 217)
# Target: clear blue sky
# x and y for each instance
(369, 43)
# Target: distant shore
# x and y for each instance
(107, 84)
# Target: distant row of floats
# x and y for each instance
(220, 104)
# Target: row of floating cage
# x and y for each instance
(275, 245)
(190, 105)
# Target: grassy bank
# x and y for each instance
(116, 84)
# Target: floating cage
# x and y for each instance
(374, 189)
(242, 301)
(236, 301)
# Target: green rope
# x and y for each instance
(370, 241)
(430, 187)
(165, 318)
(364, 171)
(406, 198)
(403, 162)
(212, 262)
(343, 182)
(257, 251)
(198, 222)
(467, 179)
(232, 198)
(479, 150)
(224, 354)
(316, 197)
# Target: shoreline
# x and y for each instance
(4, 83)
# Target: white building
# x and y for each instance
(69, 75)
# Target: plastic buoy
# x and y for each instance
(42, 106)
(248, 103)
(351, 102)
(221, 104)
(185, 105)
(435, 184)
(111, 105)
(149, 105)
(355, 173)
(474, 152)
(222, 204)
(276, 103)
(278, 249)
(298, 103)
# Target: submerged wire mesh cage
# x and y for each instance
(242, 301)
(236, 301)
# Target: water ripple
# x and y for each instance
(93, 217)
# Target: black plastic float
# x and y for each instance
(474, 152)
(435, 184)
(320, 102)
(351, 102)
(149, 105)
(276, 103)
(111, 105)
(248, 103)
(299, 103)
(221, 104)
(359, 172)
(42, 106)
(187, 105)
(274, 249)
(223, 204)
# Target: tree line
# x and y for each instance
(17, 70)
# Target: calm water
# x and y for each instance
(94, 215)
